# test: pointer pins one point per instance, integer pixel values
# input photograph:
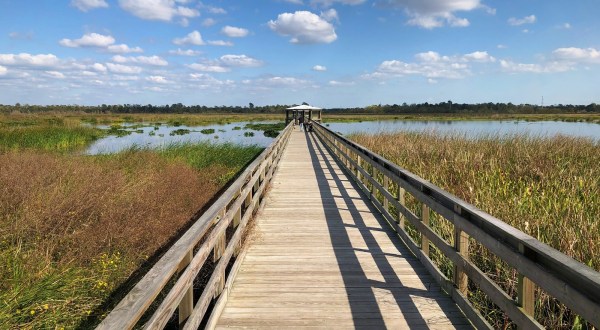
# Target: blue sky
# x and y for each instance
(331, 53)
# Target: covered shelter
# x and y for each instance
(309, 112)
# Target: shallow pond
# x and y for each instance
(162, 135)
(474, 128)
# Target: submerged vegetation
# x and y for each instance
(547, 187)
(269, 130)
(73, 228)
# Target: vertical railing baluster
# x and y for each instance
(186, 306)
(425, 220)
(402, 201)
(461, 244)
(386, 186)
(525, 290)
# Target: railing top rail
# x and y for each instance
(579, 276)
(131, 308)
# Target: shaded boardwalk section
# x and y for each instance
(322, 258)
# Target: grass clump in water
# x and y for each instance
(207, 131)
(180, 131)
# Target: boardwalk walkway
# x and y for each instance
(321, 258)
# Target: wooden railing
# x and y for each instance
(181, 264)
(574, 284)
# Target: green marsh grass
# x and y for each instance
(547, 187)
(48, 138)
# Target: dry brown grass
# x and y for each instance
(72, 207)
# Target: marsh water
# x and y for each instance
(157, 136)
(162, 135)
(473, 129)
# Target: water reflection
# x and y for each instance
(157, 136)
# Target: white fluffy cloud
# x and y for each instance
(86, 5)
(240, 61)
(192, 38)
(185, 52)
(586, 55)
(217, 68)
(226, 62)
(330, 15)
(160, 10)
(520, 21)
(158, 79)
(304, 27)
(341, 83)
(55, 74)
(96, 40)
(123, 49)
(3, 70)
(206, 81)
(99, 67)
(433, 65)
(551, 67)
(234, 32)
(276, 81)
(431, 14)
(89, 40)
(479, 56)
(120, 68)
(319, 68)
(147, 60)
(220, 43)
(25, 59)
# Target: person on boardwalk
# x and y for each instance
(301, 122)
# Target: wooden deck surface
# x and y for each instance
(321, 258)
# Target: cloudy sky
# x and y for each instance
(331, 53)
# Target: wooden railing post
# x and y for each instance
(401, 200)
(186, 306)
(358, 165)
(425, 220)
(346, 159)
(248, 200)
(525, 290)
(386, 186)
(371, 186)
(461, 244)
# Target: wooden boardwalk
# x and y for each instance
(321, 257)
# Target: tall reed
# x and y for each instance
(546, 187)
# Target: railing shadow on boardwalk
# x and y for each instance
(362, 299)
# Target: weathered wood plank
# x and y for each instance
(322, 256)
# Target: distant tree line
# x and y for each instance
(404, 108)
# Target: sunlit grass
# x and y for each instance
(48, 138)
(546, 187)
